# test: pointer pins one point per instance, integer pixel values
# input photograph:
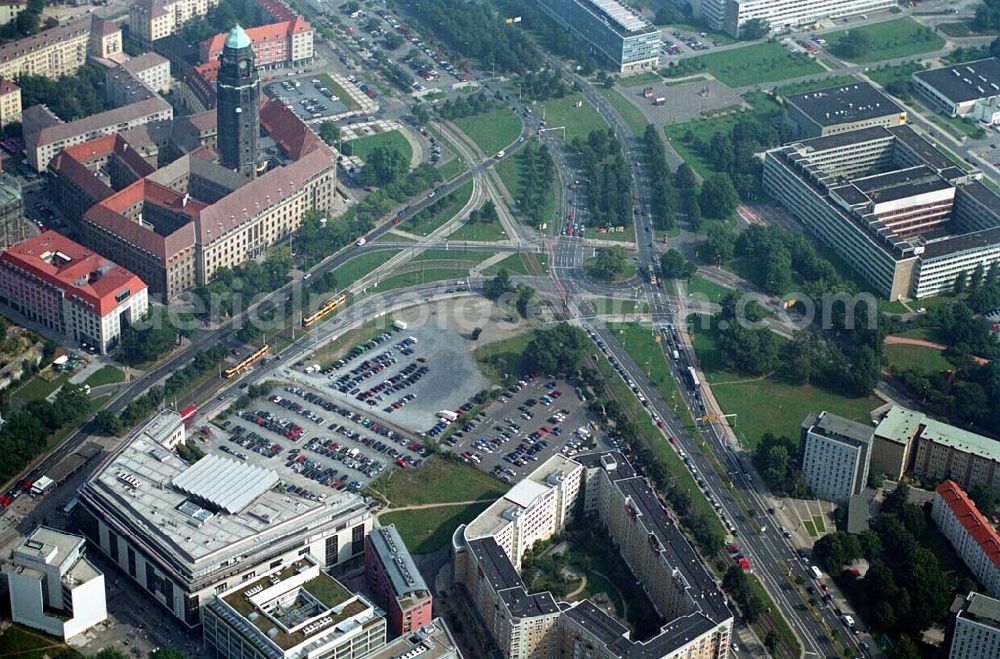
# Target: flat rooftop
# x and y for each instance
(495, 563)
(834, 425)
(982, 609)
(620, 18)
(135, 487)
(432, 641)
(968, 81)
(49, 546)
(844, 104)
(399, 566)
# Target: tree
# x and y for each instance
(718, 196)
(524, 295)
(111, 653)
(329, 132)
(167, 653)
(108, 422)
(754, 29)
(609, 264)
(771, 642)
(905, 648)
(984, 498)
(995, 47)
(853, 45)
(673, 265)
(383, 166)
(500, 284)
(719, 245)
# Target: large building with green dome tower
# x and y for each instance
(238, 109)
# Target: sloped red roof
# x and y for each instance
(65, 165)
(969, 517)
(87, 151)
(7, 86)
(277, 9)
(294, 137)
(211, 48)
(79, 272)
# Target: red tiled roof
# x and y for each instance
(7, 86)
(299, 25)
(211, 48)
(87, 151)
(209, 71)
(290, 133)
(969, 517)
(81, 274)
(277, 9)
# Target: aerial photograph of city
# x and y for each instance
(499, 329)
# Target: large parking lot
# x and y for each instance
(312, 436)
(531, 421)
(404, 377)
(307, 97)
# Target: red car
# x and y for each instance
(732, 548)
(673, 440)
(744, 563)
(661, 425)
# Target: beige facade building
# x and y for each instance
(105, 38)
(9, 9)
(524, 624)
(152, 69)
(58, 51)
(10, 102)
(150, 20)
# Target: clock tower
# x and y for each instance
(238, 105)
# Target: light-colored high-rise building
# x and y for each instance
(976, 631)
(975, 540)
(730, 15)
(150, 20)
(53, 587)
(835, 456)
(623, 36)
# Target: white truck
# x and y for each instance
(42, 485)
(400, 325)
(676, 355)
(448, 415)
(815, 572)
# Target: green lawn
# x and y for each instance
(518, 264)
(920, 358)
(762, 62)
(455, 254)
(429, 219)
(428, 530)
(392, 139)
(787, 404)
(628, 235)
(640, 343)
(451, 168)
(339, 91)
(491, 131)
(107, 374)
(956, 126)
(891, 39)
(810, 528)
(578, 121)
(643, 79)
(503, 357)
(360, 266)
(626, 108)
(23, 643)
(886, 74)
(709, 289)
(813, 85)
(819, 524)
(437, 481)
(705, 129)
(628, 273)
(38, 388)
(417, 277)
(485, 231)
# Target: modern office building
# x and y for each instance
(730, 15)
(70, 290)
(186, 533)
(975, 632)
(399, 588)
(969, 90)
(975, 540)
(615, 31)
(238, 110)
(841, 109)
(292, 611)
(488, 550)
(13, 225)
(150, 20)
(897, 209)
(432, 641)
(906, 440)
(277, 45)
(53, 587)
(10, 102)
(835, 456)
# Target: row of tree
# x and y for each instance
(232, 290)
(662, 194)
(466, 105)
(24, 433)
(476, 31)
(906, 589)
(27, 22)
(551, 35)
(536, 178)
(609, 193)
(543, 85)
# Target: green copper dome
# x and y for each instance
(237, 38)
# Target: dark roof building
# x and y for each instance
(840, 109)
(969, 89)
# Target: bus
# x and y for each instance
(243, 366)
(324, 310)
(693, 378)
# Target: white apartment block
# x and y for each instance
(730, 15)
(151, 68)
(976, 632)
(150, 20)
(51, 573)
(58, 51)
(975, 540)
(836, 453)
